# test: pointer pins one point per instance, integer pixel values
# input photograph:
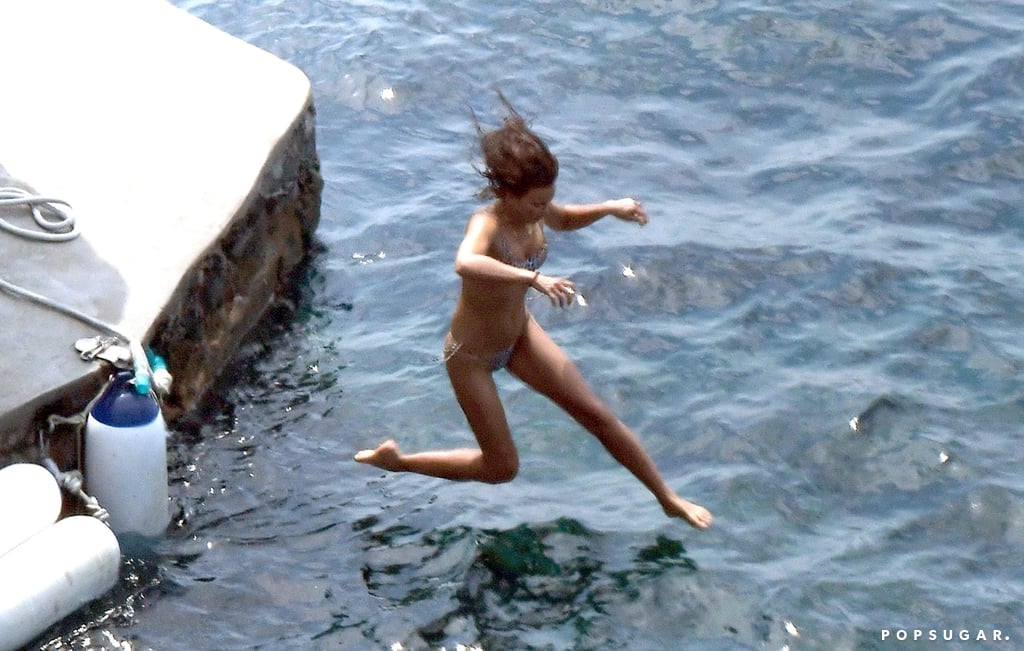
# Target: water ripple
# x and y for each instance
(834, 194)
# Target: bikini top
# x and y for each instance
(531, 263)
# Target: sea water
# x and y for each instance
(818, 336)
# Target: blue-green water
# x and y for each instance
(835, 192)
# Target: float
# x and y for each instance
(30, 501)
(54, 573)
(51, 566)
(126, 457)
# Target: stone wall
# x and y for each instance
(188, 157)
(235, 282)
(245, 272)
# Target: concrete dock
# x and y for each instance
(188, 159)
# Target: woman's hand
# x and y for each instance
(628, 209)
(560, 290)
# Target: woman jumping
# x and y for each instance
(499, 261)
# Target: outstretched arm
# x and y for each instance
(572, 216)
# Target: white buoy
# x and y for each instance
(30, 501)
(53, 574)
(126, 459)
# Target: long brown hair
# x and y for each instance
(516, 159)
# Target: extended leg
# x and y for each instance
(541, 364)
(494, 461)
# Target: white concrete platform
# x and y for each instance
(162, 132)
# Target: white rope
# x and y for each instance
(57, 224)
(72, 482)
(61, 229)
(21, 292)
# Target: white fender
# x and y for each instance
(30, 501)
(53, 574)
(126, 459)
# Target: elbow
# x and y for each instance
(465, 265)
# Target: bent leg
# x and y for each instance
(541, 364)
(496, 459)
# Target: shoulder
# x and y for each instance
(483, 221)
(481, 230)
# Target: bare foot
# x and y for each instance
(386, 456)
(696, 515)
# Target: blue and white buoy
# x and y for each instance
(126, 458)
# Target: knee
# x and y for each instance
(500, 471)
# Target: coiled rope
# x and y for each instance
(57, 224)
(61, 227)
